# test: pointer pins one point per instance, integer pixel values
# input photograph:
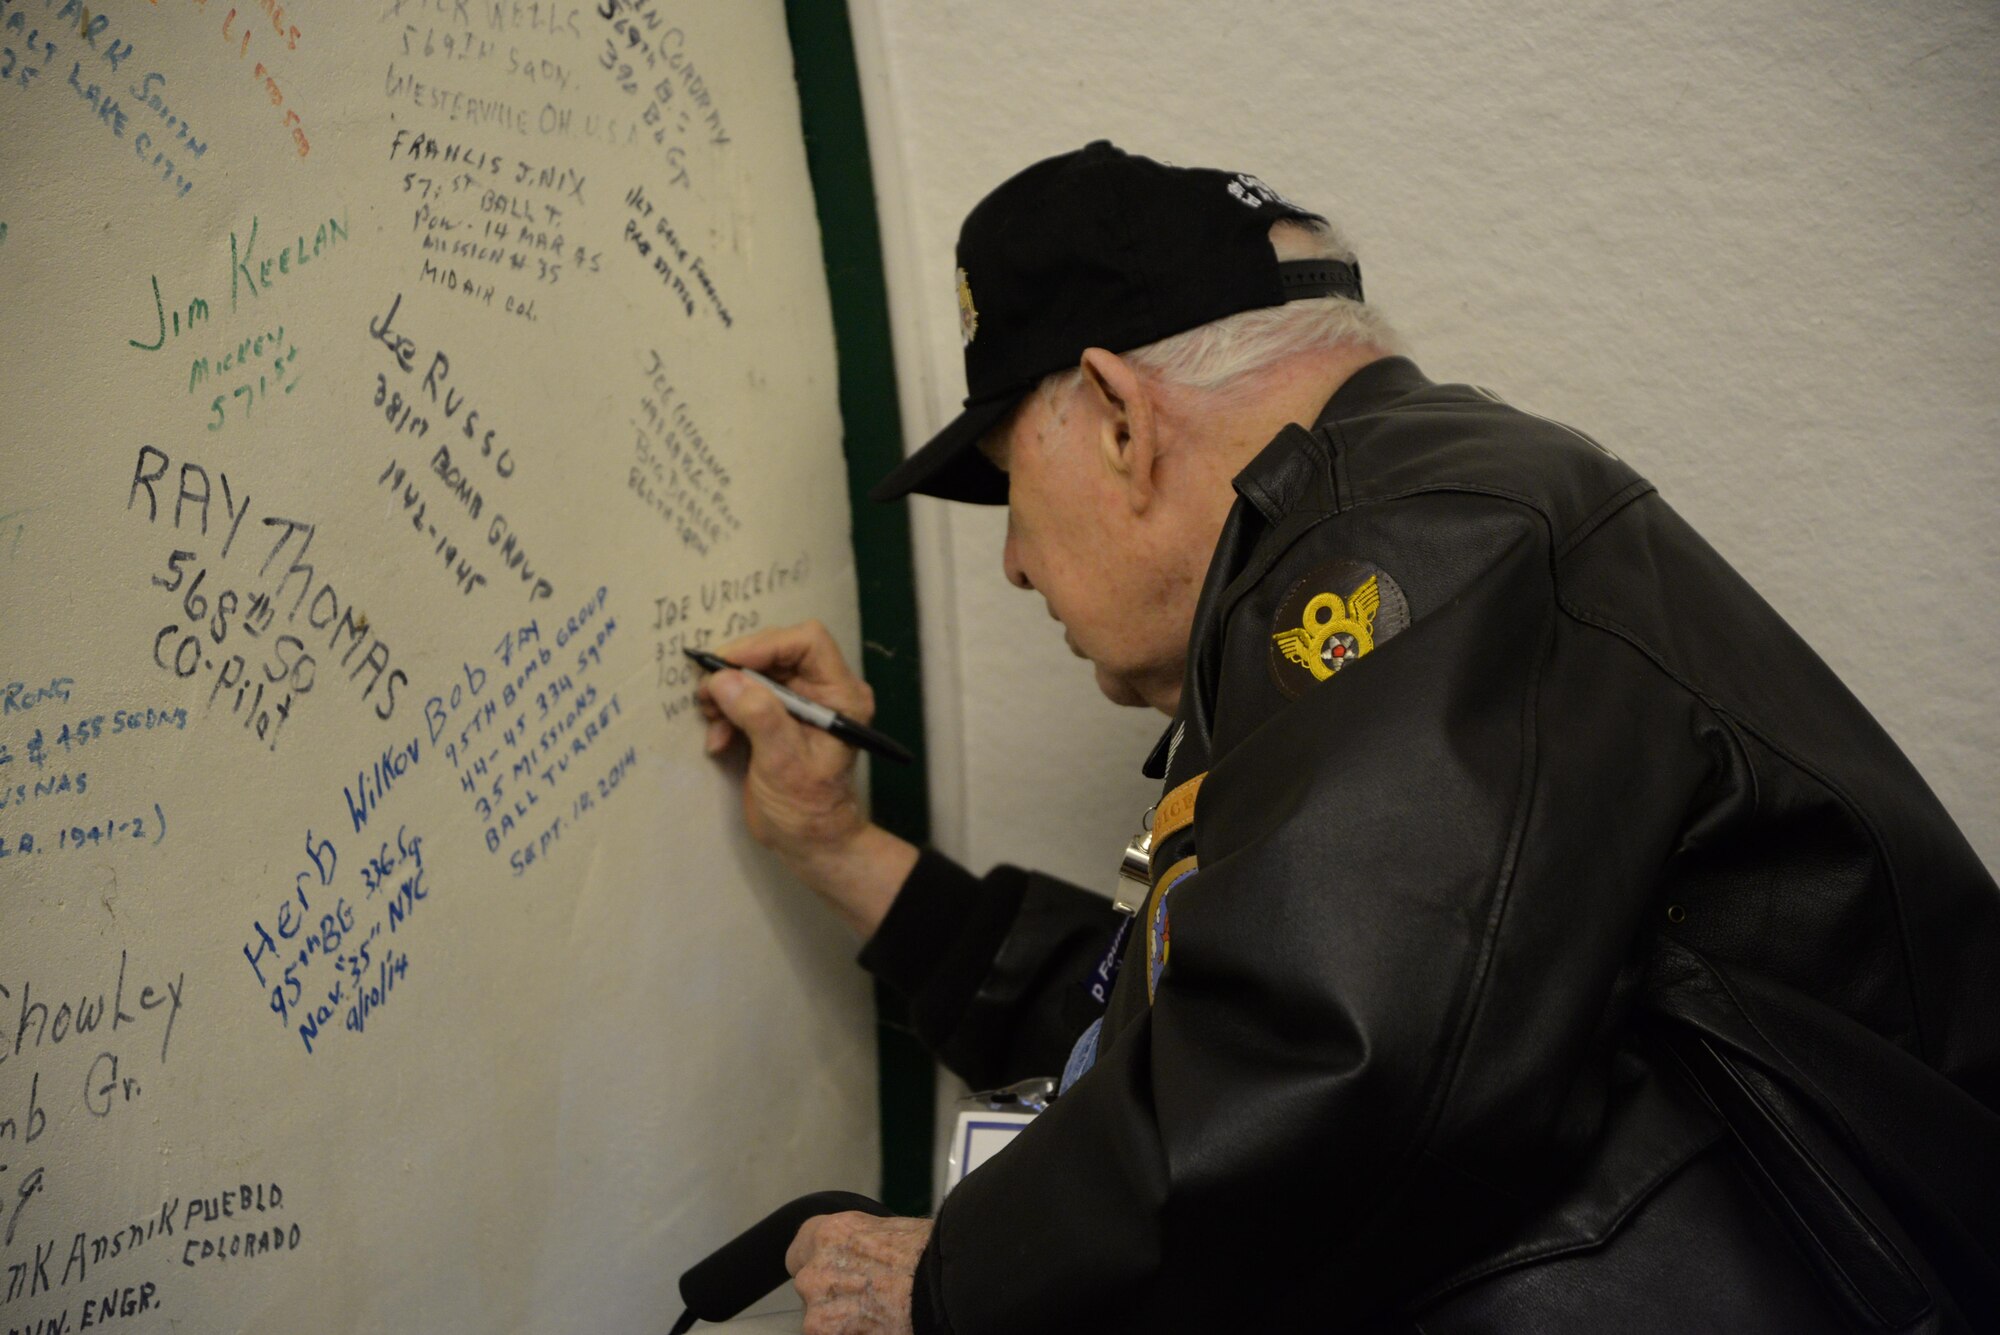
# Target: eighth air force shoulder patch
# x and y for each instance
(1338, 613)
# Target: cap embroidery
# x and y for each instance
(968, 315)
(1253, 193)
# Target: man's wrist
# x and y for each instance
(859, 875)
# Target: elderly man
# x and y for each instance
(1533, 933)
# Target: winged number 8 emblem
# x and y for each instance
(1334, 631)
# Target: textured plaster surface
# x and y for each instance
(1750, 248)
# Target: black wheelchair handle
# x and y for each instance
(752, 1263)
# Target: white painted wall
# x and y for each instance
(1750, 247)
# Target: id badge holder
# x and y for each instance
(989, 1120)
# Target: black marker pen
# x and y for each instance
(813, 712)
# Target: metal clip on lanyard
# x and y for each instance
(1033, 1095)
(1135, 869)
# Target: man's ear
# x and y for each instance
(1127, 428)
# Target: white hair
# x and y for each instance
(1211, 356)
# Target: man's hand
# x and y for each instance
(856, 1271)
(798, 795)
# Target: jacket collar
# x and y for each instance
(1286, 470)
(1283, 474)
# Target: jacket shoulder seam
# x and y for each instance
(1606, 511)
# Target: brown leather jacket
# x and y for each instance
(1567, 950)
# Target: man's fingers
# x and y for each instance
(803, 1243)
(805, 658)
(806, 649)
(855, 1272)
(750, 707)
(717, 740)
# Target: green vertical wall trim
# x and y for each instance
(844, 190)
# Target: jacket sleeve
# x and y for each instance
(994, 968)
(1392, 986)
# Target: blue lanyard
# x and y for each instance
(1104, 977)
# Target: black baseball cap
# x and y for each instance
(1098, 248)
